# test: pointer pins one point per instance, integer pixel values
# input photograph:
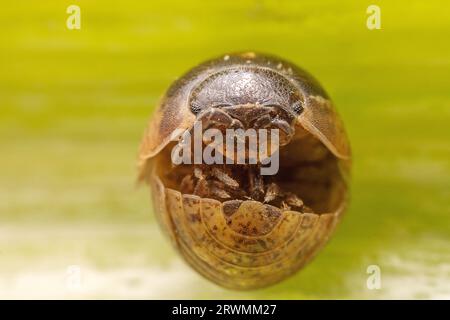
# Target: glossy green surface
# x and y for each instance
(74, 103)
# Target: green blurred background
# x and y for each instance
(74, 104)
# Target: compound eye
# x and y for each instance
(195, 108)
(297, 107)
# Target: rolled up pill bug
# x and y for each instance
(235, 226)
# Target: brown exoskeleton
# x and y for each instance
(235, 226)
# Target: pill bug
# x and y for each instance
(236, 227)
